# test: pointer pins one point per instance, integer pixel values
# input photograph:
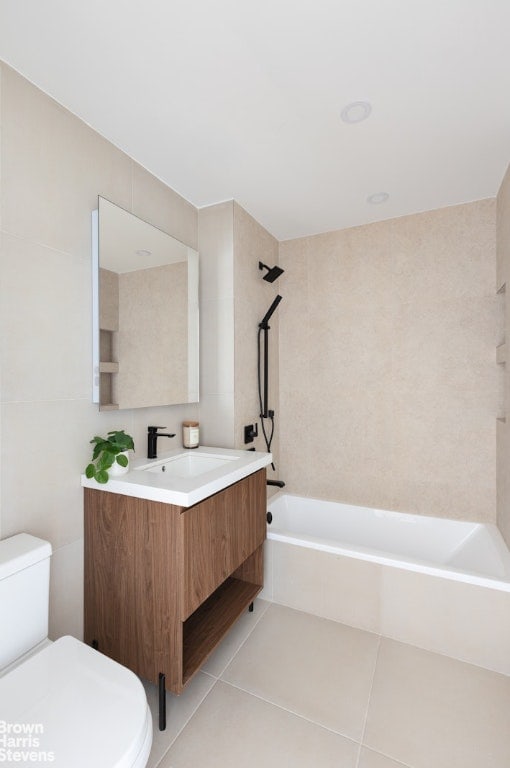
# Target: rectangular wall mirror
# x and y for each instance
(145, 313)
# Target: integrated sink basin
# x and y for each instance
(183, 477)
(190, 464)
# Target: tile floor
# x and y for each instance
(289, 689)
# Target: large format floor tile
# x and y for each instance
(316, 668)
(232, 729)
(304, 691)
(236, 636)
(431, 711)
(179, 709)
(370, 759)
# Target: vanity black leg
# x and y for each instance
(95, 645)
(250, 607)
(162, 702)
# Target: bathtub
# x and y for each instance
(443, 585)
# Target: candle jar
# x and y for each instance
(190, 434)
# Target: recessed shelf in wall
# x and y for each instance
(501, 354)
(109, 407)
(108, 367)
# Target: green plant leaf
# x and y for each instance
(122, 460)
(103, 445)
(90, 471)
(119, 438)
(105, 461)
(102, 476)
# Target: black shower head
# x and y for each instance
(272, 272)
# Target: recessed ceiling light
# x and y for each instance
(356, 111)
(144, 253)
(377, 198)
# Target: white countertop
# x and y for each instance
(182, 491)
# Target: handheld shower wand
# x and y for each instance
(263, 323)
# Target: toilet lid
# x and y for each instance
(80, 706)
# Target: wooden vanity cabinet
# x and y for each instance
(163, 583)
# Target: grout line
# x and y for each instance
(50, 400)
(231, 659)
(209, 674)
(397, 762)
(388, 757)
(290, 711)
(363, 730)
(172, 742)
(445, 655)
(40, 244)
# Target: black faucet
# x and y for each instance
(152, 441)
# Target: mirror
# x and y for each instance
(145, 310)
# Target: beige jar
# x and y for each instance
(190, 434)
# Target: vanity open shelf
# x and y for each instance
(164, 583)
(205, 628)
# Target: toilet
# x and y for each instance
(61, 702)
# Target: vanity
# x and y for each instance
(173, 556)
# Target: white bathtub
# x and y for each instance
(443, 585)
(470, 552)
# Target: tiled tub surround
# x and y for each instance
(388, 381)
(445, 589)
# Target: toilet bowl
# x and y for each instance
(63, 703)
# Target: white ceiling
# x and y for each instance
(241, 99)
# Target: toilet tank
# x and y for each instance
(24, 594)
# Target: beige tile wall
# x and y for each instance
(53, 168)
(503, 424)
(388, 381)
(234, 298)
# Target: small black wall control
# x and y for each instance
(250, 432)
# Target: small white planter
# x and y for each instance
(116, 470)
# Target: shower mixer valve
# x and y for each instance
(250, 432)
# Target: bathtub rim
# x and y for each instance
(382, 557)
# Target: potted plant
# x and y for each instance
(109, 455)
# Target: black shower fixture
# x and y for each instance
(272, 272)
(265, 412)
(265, 320)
